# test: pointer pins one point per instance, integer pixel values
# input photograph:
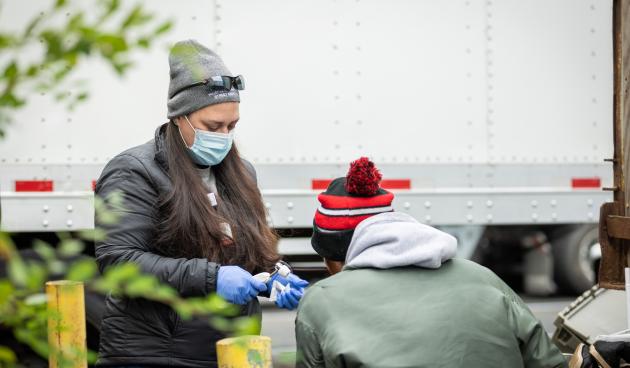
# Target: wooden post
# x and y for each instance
(622, 82)
(66, 324)
(244, 351)
(614, 221)
(622, 99)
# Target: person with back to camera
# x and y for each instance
(397, 297)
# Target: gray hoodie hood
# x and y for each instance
(396, 239)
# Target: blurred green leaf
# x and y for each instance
(122, 273)
(121, 66)
(36, 275)
(7, 248)
(92, 357)
(144, 42)
(44, 250)
(32, 71)
(60, 3)
(136, 17)
(221, 324)
(112, 6)
(141, 285)
(6, 40)
(163, 28)
(36, 299)
(11, 100)
(82, 270)
(93, 234)
(111, 44)
(6, 289)
(71, 247)
(31, 26)
(56, 267)
(7, 355)
(11, 70)
(246, 326)
(164, 292)
(17, 271)
(75, 22)
(82, 96)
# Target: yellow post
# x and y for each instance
(66, 324)
(244, 351)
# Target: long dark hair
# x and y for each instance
(191, 228)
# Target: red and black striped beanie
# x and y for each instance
(346, 202)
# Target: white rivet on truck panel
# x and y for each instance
(489, 204)
(46, 208)
(407, 205)
(69, 223)
(45, 223)
(289, 205)
(290, 219)
(70, 208)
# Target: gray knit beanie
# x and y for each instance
(191, 62)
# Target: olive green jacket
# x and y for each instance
(458, 315)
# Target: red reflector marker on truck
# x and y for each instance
(33, 185)
(322, 184)
(585, 183)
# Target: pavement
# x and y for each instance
(279, 325)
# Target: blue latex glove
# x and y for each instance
(289, 299)
(237, 286)
(295, 281)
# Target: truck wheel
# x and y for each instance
(576, 254)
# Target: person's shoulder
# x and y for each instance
(250, 169)
(133, 162)
(471, 267)
(475, 273)
(133, 158)
(321, 290)
(144, 153)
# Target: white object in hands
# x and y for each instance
(262, 277)
(283, 269)
(276, 288)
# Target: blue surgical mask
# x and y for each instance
(209, 148)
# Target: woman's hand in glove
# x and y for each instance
(237, 286)
(289, 299)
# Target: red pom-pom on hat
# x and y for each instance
(363, 178)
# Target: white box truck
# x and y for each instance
(490, 119)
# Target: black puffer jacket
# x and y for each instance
(138, 331)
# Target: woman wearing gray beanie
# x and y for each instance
(192, 216)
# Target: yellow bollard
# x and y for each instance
(244, 352)
(66, 324)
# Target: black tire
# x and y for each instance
(574, 269)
